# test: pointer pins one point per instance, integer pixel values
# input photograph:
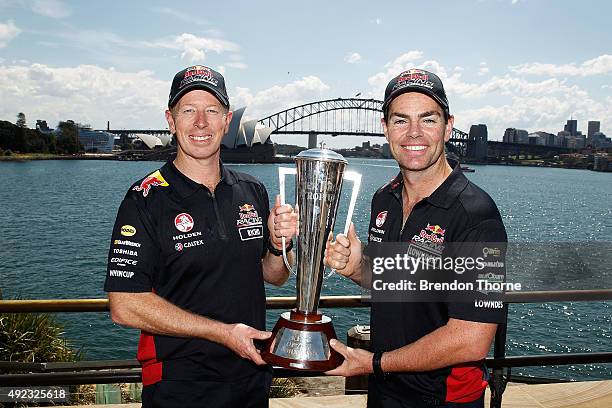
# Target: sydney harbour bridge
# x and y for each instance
(348, 117)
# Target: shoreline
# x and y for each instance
(277, 159)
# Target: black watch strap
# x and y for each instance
(279, 252)
(378, 371)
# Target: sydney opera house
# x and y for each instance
(245, 141)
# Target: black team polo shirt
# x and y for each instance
(202, 252)
(457, 211)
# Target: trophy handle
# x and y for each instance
(356, 179)
(282, 172)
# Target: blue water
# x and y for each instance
(56, 218)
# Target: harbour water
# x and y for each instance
(56, 218)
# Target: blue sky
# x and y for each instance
(530, 64)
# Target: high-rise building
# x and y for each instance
(571, 126)
(562, 137)
(522, 136)
(512, 135)
(480, 136)
(593, 126)
(509, 135)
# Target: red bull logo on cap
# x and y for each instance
(153, 179)
(413, 74)
(205, 72)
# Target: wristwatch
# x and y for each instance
(279, 252)
(379, 374)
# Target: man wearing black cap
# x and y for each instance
(425, 354)
(191, 248)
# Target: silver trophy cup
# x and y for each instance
(300, 339)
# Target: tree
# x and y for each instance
(68, 141)
(21, 120)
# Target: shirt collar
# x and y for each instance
(186, 186)
(445, 194)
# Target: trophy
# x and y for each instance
(300, 338)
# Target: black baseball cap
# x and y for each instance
(416, 80)
(198, 77)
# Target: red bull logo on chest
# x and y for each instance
(153, 179)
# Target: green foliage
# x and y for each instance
(283, 388)
(34, 338)
(8, 153)
(21, 120)
(68, 141)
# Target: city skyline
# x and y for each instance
(505, 63)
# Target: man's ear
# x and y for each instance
(383, 122)
(170, 121)
(228, 120)
(449, 128)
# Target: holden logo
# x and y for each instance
(381, 218)
(183, 222)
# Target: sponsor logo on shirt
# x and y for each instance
(183, 222)
(153, 179)
(249, 223)
(121, 251)
(428, 242)
(431, 233)
(124, 261)
(120, 274)
(126, 243)
(180, 246)
(379, 222)
(489, 304)
(187, 236)
(381, 218)
(128, 231)
(494, 252)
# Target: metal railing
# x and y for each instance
(100, 372)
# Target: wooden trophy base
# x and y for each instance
(300, 341)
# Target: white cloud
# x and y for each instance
(194, 48)
(596, 66)
(51, 8)
(352, 58)
(483, 69)
(8, 31)
(84, 93)
(278, 98)
(237, 65)
(504, 101)
(114, 48)
(188, 18)
(403, 62)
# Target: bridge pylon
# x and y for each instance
(312, 140)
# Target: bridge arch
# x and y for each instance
(357, 117)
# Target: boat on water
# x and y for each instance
(467, 169)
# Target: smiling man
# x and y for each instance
(192, 245)
(426, 354)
